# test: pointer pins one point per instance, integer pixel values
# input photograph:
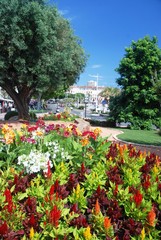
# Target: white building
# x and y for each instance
(91, 90)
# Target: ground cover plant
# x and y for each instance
(59, 183)
(148, 137)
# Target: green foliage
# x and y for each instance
(138, 102)
(38, 51)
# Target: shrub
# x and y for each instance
(10, 114)
(33, 116)
(81, 107)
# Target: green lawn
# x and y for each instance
(141, 137)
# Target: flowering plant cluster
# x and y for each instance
(58, 183)
(65, 116)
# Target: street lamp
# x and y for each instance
(97, 78)
(85, 102)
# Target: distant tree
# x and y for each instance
(109, 92)
(38, 51)
(138, 102)
(79, 96)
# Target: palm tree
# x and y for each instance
(109, 92)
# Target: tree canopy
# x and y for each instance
(138, 102)
(38, 51)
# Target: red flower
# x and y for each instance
(8, 196)
(115, 192)
(138, 197)
(51, 192)
(8, 200)
(3, 229)
(58, 116)
(54, 216)
(89, 134)
(32, 128)
(66, 133)
(32, 221)
(48, 174)
(146, 182)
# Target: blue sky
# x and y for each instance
(106, 27)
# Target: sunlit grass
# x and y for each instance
(141, 137)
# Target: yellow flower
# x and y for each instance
(77, 191)
(155, 169)
(62, 166)
(31, 233)
(97, 131)
(142, 235)
(79, 133)
(87, 233)
(24, 126)
(68, 129)
(12, 170)
(5, 128)
(20, 133)
(39, 133)
(9, 136)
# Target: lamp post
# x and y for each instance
(97, 78)
(85, 102)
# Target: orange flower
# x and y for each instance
(121, 151)
(107, 223)
(151, 217)
(97, 207)
(84, 141)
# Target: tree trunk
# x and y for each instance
(21, 101)
(23, 109)
(39, 101)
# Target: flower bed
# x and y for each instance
(59, 183)
(65, 116)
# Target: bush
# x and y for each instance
(33, 116)
(81, 107)
(139, 124)
(107, 123)
(10, 114)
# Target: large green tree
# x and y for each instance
(138, 102)
(38, 51)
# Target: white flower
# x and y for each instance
(35, 161)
